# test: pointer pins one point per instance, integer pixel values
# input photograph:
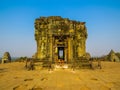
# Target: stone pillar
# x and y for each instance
(74, 48)
(84, 46)
(81, 47)
(70, 49)
(65, 53)
(38, 49)
(51, 47)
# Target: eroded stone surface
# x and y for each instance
(55, 33)
(6, 57)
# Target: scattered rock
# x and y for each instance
(28, 79)
(15, 88)
(20, 87)
(37, 88)
(42, 79)
(95, 79)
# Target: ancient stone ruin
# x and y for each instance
(6, 57)
(113, 57)
(60, 39)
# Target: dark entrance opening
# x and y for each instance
(61, 53)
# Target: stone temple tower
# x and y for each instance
(59, 38)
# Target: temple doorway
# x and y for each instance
(61, 53)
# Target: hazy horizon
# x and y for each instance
(17, 19)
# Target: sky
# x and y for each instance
(17, 19)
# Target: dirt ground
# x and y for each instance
(13, 76)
